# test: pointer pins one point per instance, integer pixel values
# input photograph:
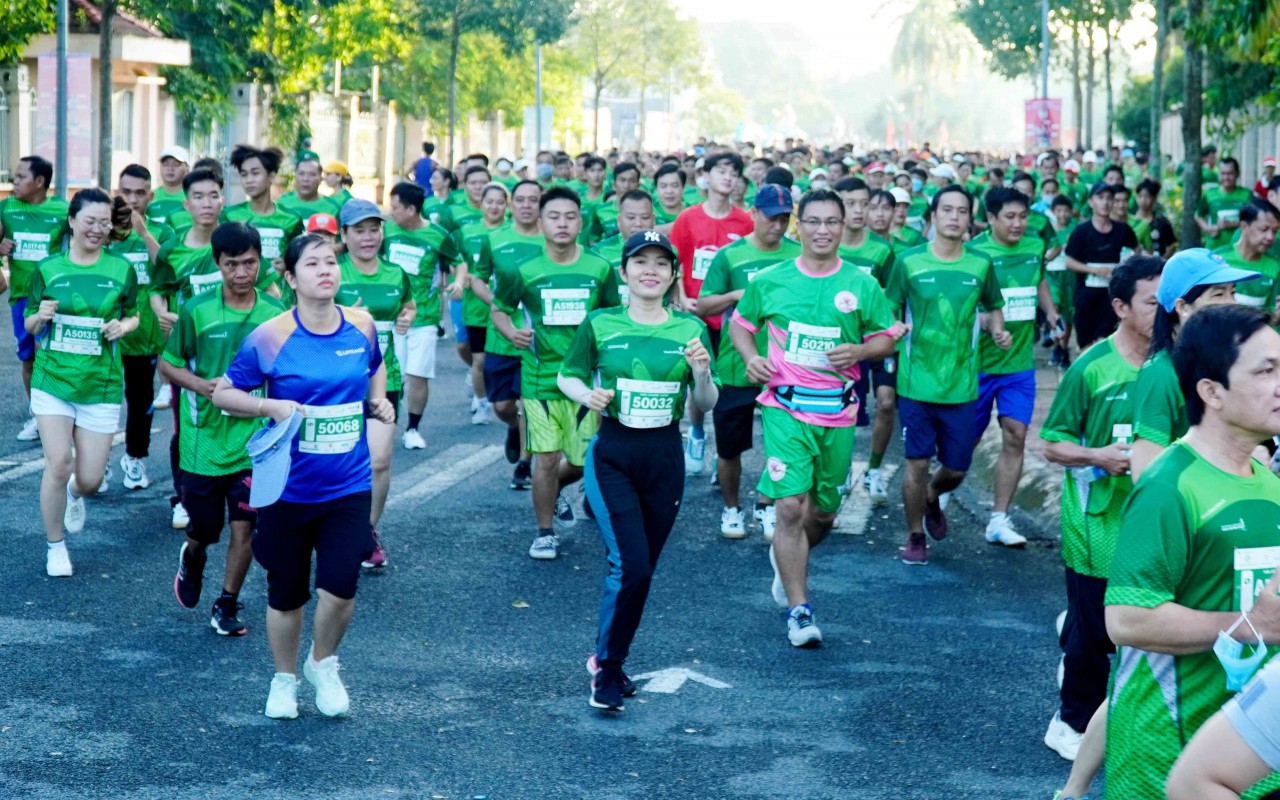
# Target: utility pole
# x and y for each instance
(537, 95)
(60, 168)
(1044, 48)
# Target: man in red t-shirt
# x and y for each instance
(697, 234)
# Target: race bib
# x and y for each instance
(702, 258)
(30, 246)
(203, 283)
(1058, 264)
(647, 404)
(139, 262)
(1122, 433)
(272, 239)
(916, 223)
(1229, 215)
(384, 335)
(624, 295)
(808, 345)
(1098, 281)
(1254, 567)
(564, 306)
(80, 336)
(407, 257)
(1019, 304)
(329, 430)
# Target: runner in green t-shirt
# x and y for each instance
(557, 289)
(668, 191)
(305, 199)
(169, 196)
(901, 235)
(465, 209)
(634, 365)
(1038, 224)
(276, 226)
(1007, 377)
(32, 228)
(1062, 282)
(1219, 212)
(636, 214)
(382, 289)
(338, 178)
(422, 250)
(732, 269)
(469, 242)
(82, 302)
(604, 218)
(443, 181)
(1259, 221)
(1089, 430)
(216, 471)
(937, 288)
(1199, 545)
(591, 191)
(1072, 186)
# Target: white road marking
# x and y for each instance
(440, 472)
(857, 508)
(669, 681)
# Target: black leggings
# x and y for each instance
(635, 482)
(1086, 650)
(139, 373)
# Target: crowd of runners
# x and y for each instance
(606, 305)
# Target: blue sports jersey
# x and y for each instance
(329, 375)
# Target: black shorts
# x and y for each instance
(477, 335)
(734, 417)
(885, 373)
(337, 531)
(502, 378)
(714, 335)
(394, 399)
(213, 499)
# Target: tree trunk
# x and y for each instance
(1106, 66)
(105, 124)
(1088, 90)
(1192, 112)
(1077, 89)
(595, 116)
(455, 34)
(1154, 165)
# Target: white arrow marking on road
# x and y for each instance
(429, 479)
(669, 681)
(857, 504)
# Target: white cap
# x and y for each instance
(817, 172)
(176, 152)
(1071, 166)
(958, 158)
(520, 164)
(900, 195)
(1090, 157)
(943, 171)
(698, 164)
(1040, 159)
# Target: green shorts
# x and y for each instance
(1062, 288)
(559, 425)
(800, 458)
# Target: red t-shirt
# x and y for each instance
(697, 237)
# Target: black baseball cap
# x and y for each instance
(642, 239)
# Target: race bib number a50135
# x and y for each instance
(81, 336)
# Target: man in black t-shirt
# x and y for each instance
(1096, 247)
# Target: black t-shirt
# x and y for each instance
(1090, 246)
(1162, 236)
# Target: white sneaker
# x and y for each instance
(802, 631)
(57, 564)
(733, 524)
(1000, 530)
(73, 517)
(106, 480)
(467, 388)
(695, 454)
(30, 431)
(413, 440)
(1060, 623)
(1062, 739)
(544, 548)
(331, 695)
(483, 414)
(768, 519)
(282, 702)
(163, 397)
(181, 519)
(1062, 670)
(944, 500)
(778, 591)
(875, 488)
(135, 472)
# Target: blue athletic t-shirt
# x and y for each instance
(329, 374)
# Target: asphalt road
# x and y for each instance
(465, 661)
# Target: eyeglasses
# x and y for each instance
(829, 224)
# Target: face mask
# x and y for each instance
(1046, 198)
(1239, 668)
(544, 171)
(701, 183)
(820, 183)
(917, 185)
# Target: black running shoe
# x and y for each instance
(226, 618)
(629, 687)
(189, 580)
(521, 478)
(606, 689)
(511, 448)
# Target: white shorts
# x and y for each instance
(416, 351)
(94, 417)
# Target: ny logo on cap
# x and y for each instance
(652, 236)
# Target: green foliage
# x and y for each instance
(23, 20)
(718, 112)
(1009, 32)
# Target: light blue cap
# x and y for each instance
(270, 451)
(357, 210)
(1198, 266)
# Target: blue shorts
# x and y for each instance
(1254, 713)
(942, 429)
(1014, 395)
(25, 342)
(501, 377)
(459, 325)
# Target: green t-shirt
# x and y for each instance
(1040, 225)
(557, 299)
(1202, 538)
(433, 210)
(276, 229)
(507, 249)
(469, 243)
(604, 221)
(643, 365)
(587, 210)
(940, 299)
(37, 233)
(382, 295)
(1094, 407)
(341, 197)
(1217, 206)
(205, 340)
(663, 217)
(1160, 410)
(183, 271)
(1259, 292)
(164, 204)
(1019, 270)
(906, 239)
(419, 253)
(692, 195)
(874, 256)
(458, 216)
(148, 339)
(1078, 192)
(304, 209)
(916, 213)
(73, 361)
(732, 268)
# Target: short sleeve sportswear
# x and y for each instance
(1019, 270)
(697, 236)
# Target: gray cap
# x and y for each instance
(270, 451)
(356, 211)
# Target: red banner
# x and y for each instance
(1044, 124)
